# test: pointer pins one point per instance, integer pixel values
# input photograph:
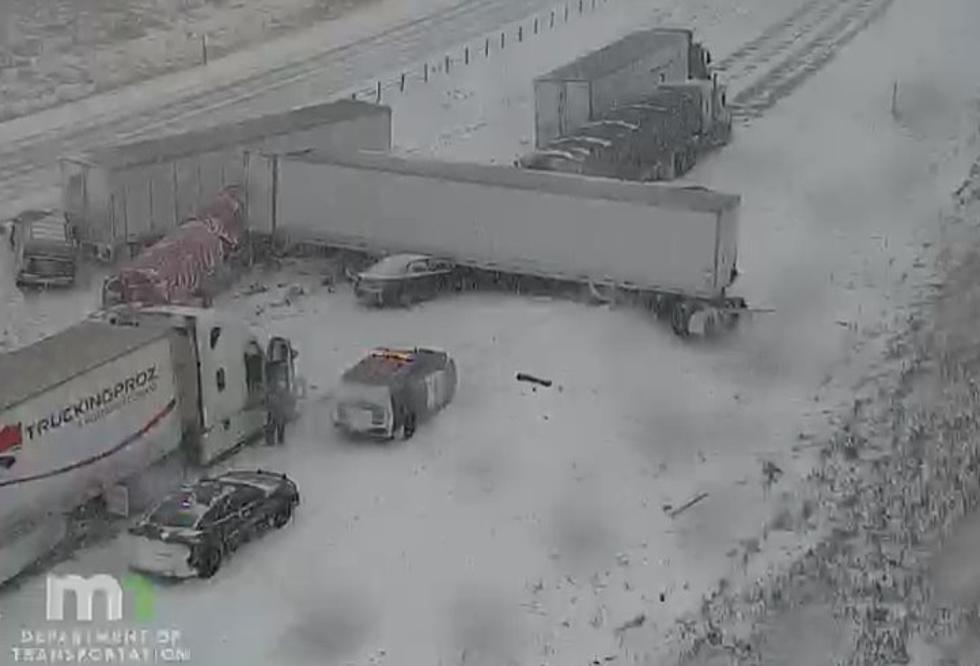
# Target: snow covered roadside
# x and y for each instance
(886, 198)
(828, 169)
(62, 51)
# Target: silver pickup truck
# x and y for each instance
(45, 254)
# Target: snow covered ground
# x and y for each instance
(528, 525)
(521, 522)
(57, 51)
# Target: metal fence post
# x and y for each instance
(535, 25)
(425, 72)
(552, 25)
(447, 64)
(566, 13)
(486, 48)
(466, 55)
(379, 93)
(503, 38)
(520, 33)
(401, 84)
(581, 5)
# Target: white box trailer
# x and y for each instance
(134, 192)
(104, 401)
(678, 245)
(624, 72)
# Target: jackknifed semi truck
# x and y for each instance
(671, 249)
(102, 408)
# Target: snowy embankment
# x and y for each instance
(64, 50)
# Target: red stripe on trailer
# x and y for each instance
(139, 434)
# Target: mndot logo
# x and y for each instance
(85, 590)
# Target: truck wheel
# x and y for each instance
(209, 561)
(680, 319)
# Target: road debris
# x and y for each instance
(524, 377)
(673, 513)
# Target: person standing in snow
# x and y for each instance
(278, 407)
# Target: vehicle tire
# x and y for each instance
(209, 561)
(680, 319)
(282, 517)
(404, 299)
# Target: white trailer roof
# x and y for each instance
(228, 136)
(651, 194)
(54, 360)
(612, 56)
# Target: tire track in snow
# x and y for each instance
(27, 162)
(776, 39)
(788, 74)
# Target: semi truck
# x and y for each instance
(119, 401)
(658, 138)
(671, 249)
(119, 198)
(623, 72)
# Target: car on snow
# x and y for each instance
(45, 253)
(198, 525)
(403, 279)
(393, 390)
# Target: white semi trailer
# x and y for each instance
(134, 193)
(674, 249)
(109, 401)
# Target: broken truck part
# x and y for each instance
(115, 399)
(672, 250)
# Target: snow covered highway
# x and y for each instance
(589, 521)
